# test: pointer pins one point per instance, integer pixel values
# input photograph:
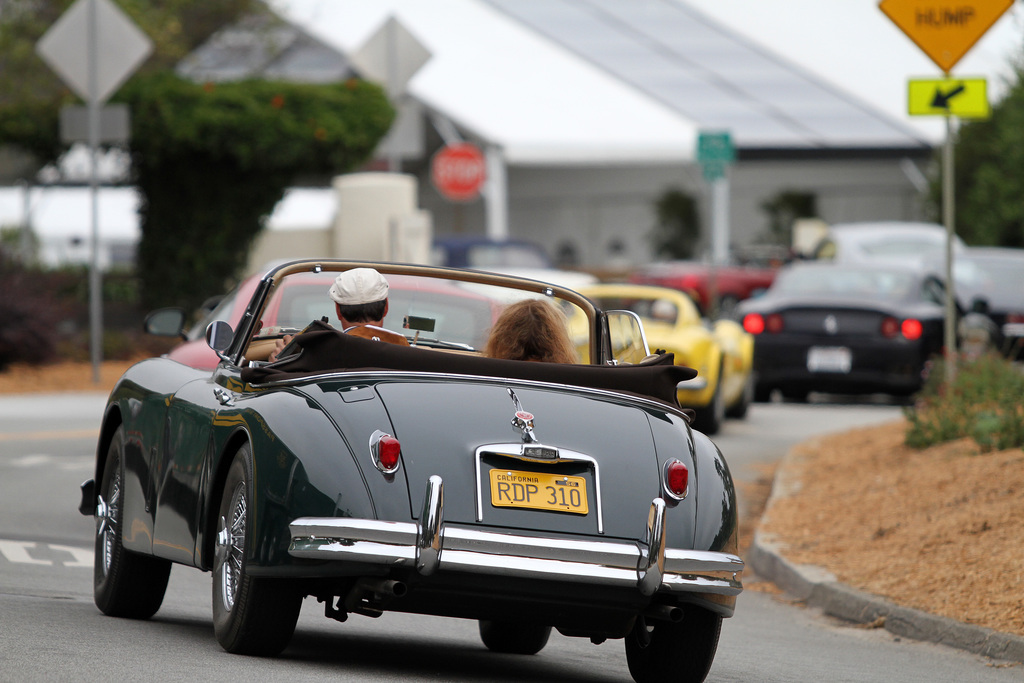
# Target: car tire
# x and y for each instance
(515, 638)
(739, 409)
(709, 418)
(251, 616)
(795, 395)
(674, 651)
(125, 584)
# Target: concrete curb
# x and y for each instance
(818, 588)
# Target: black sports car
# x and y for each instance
(423, 478)
(845, 329)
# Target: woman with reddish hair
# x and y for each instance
(532, 329)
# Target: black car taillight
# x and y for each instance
(753, 323)
(890, 327)
(912, 329)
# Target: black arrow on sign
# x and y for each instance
(941, 100)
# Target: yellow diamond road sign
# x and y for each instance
(963, 97)
(944, 30)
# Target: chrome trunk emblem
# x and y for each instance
(523, 421)
(831, 324)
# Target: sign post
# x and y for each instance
(945, 32)
(715, 153)
(94, 47)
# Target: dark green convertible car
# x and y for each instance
(424, 478)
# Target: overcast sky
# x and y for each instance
(856, 46)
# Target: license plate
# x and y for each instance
(538, 491)
(829, 359)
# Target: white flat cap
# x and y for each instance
(359, 286)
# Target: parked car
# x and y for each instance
(990, 281)
(898, 242)
(422, 478)
(697, 279)
(845, 329)
(721, 352)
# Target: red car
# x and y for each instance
(733, 283)
(300, 300)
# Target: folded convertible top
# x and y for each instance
(322, 348)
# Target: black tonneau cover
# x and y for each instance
(322, 348)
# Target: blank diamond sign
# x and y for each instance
(120, 47)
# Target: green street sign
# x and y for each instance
(715, 153)
(715, 147)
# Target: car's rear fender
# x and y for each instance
(306, 462)
(716, 524)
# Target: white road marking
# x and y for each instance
(17, 552)
(83, 556)
(80, 463)
(33, 460)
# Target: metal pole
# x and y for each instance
(948, 218)
(394, 91)
(25, 245)
(495, 192)
(719, 238)
(95, 283)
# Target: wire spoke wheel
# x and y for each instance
(252, 616)
(125, 584)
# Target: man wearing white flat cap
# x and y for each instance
(360, 298)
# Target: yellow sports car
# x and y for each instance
(721, 352)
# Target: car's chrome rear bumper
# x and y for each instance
(429, 546)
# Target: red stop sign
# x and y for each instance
(458, 171)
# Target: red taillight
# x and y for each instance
(890, 327)
(677, 478)
(753, 323)
(912, 329)
(774, 323)
(386, 451)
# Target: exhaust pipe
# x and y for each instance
(367, 595)
(664, 613)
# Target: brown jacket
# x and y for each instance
(377, 334)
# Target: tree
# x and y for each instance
(783, 209)
(989, 175)
(678, 228)
(211, 161)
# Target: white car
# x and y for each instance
(886, 242)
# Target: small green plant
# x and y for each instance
(984, 402)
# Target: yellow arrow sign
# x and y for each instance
(944, 29)
(963, 97)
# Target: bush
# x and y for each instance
(982, 403)
(30, 315)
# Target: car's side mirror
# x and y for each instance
(629, 342)
(219, 336)
(166, 322)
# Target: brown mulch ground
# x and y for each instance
(62, 376)
(941, 529)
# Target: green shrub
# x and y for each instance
(984, 402)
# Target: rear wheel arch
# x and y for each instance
(216, 492)
(111, 422)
